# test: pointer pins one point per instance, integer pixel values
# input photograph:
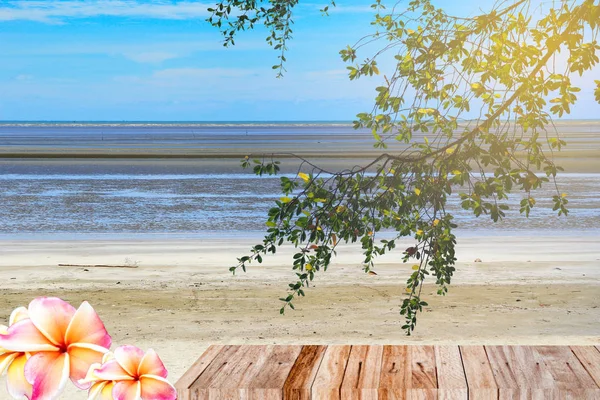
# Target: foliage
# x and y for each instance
(504, 63)
(232, 16)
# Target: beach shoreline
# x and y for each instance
(181, 297)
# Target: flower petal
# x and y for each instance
(109, 355)
(51, 316)
(101, 391)
(112, 371)
(24, 336)
(48, 372)
(6, 359)
(18, 314)
(81, 357)
(17, 385)
(3, 329)
(151, 364)
(157, 388)
(86, 327)
(90, 376)
(129, 357)
(127, 390)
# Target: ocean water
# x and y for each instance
(68, 198)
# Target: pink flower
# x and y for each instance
(101, 389)
(14, 361)
(65, 342)
(136, 375)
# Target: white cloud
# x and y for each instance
(52, 11)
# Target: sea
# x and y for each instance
(57, 182)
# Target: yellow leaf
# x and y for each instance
(304, 176)
(318, 200)
(563, 195)
(415, 267)
(475, 86)
(408, 290)
(340, 209)
(319, 228)
(308, 267)
(450, 150)
(436, 222)
(419, 232)
(285, 200)
(410, 31)
(456, 172)
(418, 191)
(334, 239)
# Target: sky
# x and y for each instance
(134, 60)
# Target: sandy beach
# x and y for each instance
(182, 298)
(536, 284)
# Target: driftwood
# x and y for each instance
(97, 266)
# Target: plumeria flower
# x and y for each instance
(65, 341)
(137, 375)
(13, 362)
(101, 389)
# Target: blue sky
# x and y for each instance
(160, 60)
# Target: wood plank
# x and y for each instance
(184, 383)
(478, 372)
(330, 376)
(299, 382)
(396, 375)
(268, 383)
(519, 373)
(451, 380)
(423, 373)
(565, 368)
(501, 365)
(232, 383)
(393, 372)
(199, 389)
(363, 371)
(589, 356)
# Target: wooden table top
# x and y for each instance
(393, 372)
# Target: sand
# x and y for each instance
(181, 298)
(529, 289)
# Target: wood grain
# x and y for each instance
(565, 368)
(184, 383)
(234, 384)
(393, 372)
(590, 360)
(268, 383)
(423, 373)
(396, 374)
(330, 375)
(299, 382)
(227, 356)
(363, 371)
(451, 380)
(478, 373)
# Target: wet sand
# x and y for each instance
(181, 298)
(529, 289)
